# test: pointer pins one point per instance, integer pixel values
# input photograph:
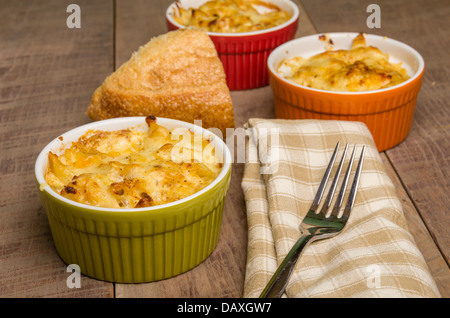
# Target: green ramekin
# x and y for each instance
(135, 245)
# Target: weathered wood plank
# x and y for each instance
(436, 263)
(47, 75)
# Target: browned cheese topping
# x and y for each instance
(362, 68)
(132, 168)
(231, 16)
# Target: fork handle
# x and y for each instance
(279, 280)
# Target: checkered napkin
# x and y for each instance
(374, 256)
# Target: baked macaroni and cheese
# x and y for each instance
(362, 68)
(133, 168)
(231, 16)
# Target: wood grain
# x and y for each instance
(49, 72)
(47, 75)
(424, 241)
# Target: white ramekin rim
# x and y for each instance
(282, 49)
(294, 17)
(126, 122)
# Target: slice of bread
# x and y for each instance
(176, 75)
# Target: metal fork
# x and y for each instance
(319, 225)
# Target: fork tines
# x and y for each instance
(318, 226)
(351, 197)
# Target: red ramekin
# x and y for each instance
(244, 55)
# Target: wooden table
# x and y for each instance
(48, 73)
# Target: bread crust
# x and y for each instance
(176, 75)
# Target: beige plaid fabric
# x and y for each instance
(374, 256)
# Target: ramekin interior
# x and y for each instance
(285, 5)
(57, 145)
(311, 45)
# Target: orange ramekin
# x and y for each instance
(244, 55)
(388, 113)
